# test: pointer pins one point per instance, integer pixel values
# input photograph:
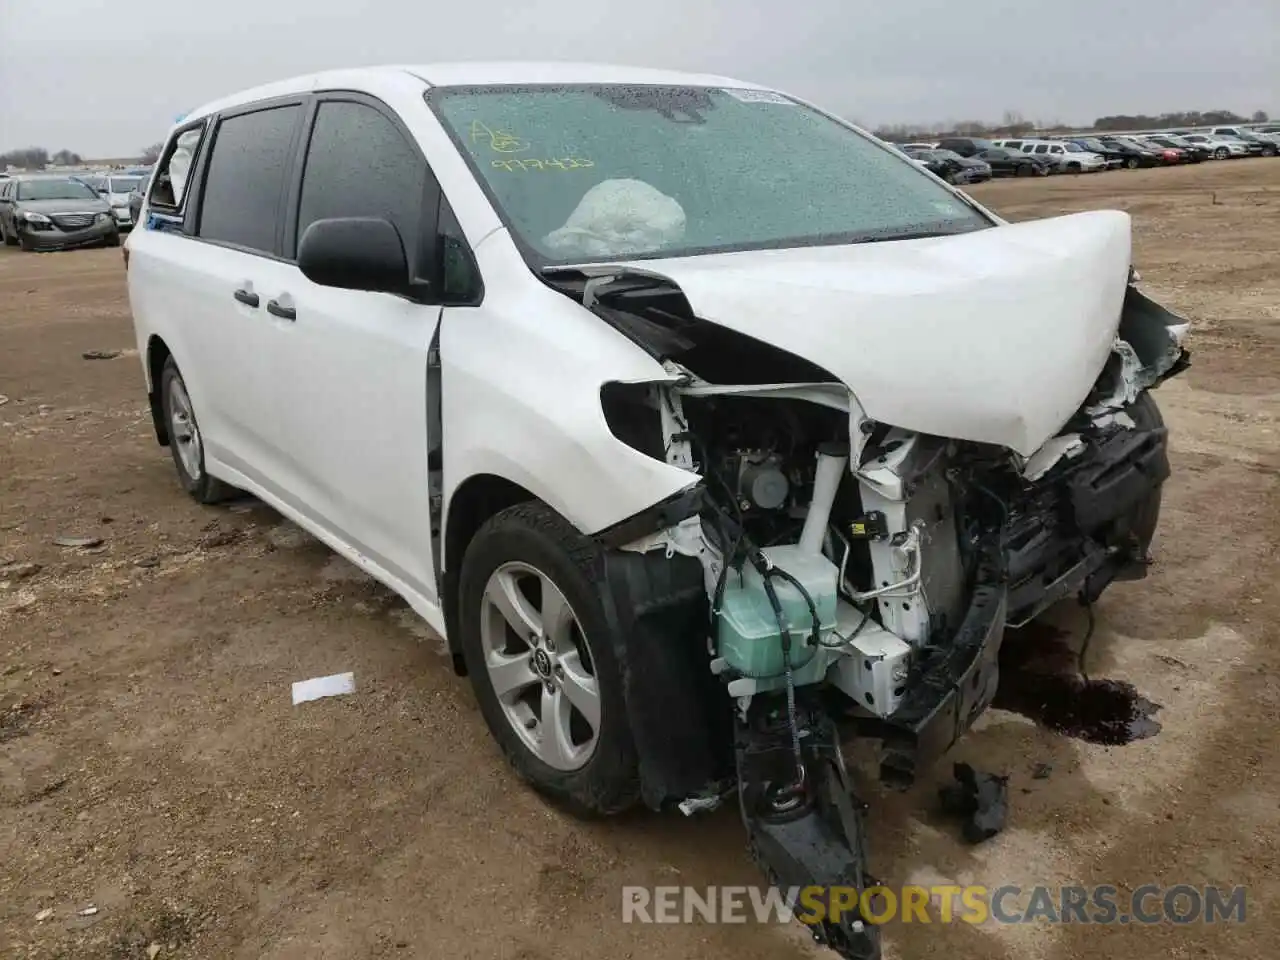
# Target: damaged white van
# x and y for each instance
(709, 430)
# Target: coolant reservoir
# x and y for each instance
(748, 637)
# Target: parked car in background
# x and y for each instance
(116, 189)
(1122, 154)
(1261, 144)
(1076, 161)
(42, 212)
(1141, 146)
(93, 181)
(1185, 152)
(952, 167)
(1076, 151)
(965, 146)
(1005, 162)
(136, 197)
(1219, 148)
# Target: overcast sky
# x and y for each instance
(105, 79)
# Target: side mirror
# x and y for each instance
(355, 253)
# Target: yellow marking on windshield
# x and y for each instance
(499, 140)
(554, 163)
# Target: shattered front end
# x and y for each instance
(829, 575)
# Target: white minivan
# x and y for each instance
(705, 427)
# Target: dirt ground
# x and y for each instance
(152, 766)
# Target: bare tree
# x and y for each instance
(152, 153)
(1260, 116)
(28, 158)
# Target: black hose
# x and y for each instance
(762, 564)
(816, 633)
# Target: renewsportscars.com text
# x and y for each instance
(1102, 904)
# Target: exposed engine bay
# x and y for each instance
(856, 577)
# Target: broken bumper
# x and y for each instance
(1084, 530)
(950, 691)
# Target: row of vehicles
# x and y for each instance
(964, 160)
(53, 211)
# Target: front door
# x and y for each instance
(350, 368)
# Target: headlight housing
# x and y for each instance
(32, 217)
(103, 217)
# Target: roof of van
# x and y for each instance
(471, 74)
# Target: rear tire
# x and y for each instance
(186, 444)
(1024, 170)
(530, 552)
(1269, 151)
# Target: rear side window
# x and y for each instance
(359, 164)
(246, 176)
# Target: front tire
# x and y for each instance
(186, 444)
(1221, 153)
(1132, 163)
(540, 652)
(1146, 516)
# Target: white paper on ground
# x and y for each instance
(317, 687)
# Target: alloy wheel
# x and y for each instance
(183, 431)
(540, 665)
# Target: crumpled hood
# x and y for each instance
(995, 336)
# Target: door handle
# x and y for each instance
(277, 309)
(248, 298)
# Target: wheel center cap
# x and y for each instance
(542, 664)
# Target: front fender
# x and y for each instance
(521, 377)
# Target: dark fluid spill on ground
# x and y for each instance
(1040, 679)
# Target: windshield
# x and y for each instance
(1075, 148)
(54, 190)
(591, 173)
(123, 184)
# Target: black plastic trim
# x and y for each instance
(665, 513)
